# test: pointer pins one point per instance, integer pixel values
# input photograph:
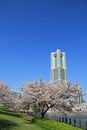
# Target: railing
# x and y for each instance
(75, 119)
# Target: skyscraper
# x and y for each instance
(58, 67)
(59, 72)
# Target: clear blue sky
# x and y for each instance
(31, 29)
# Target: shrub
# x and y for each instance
(3, 108)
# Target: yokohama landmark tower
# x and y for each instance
(58, 67)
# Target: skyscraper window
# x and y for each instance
(55, 60)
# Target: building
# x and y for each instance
(82, 107)
(59, 72)
(79, 99)
(58, 67)
(15, 94)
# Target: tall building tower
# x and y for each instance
(58, 67)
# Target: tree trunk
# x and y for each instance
(42, 114)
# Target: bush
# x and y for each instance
(3, 108)
(35, 108)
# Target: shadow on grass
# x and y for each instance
(10, 114)
(7, 125)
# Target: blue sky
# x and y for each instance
(31, 29)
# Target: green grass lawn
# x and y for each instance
(14, 121)
(53, 125)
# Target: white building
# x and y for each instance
(58, 67)
(59, 72)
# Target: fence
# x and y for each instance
(75, 119)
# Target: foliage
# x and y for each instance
(7, 98)
(6, 95)
(35, 108)
(3, 108)
(47, 96)
(27, 107)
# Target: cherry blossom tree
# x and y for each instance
(6, 98)
(47, 95)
